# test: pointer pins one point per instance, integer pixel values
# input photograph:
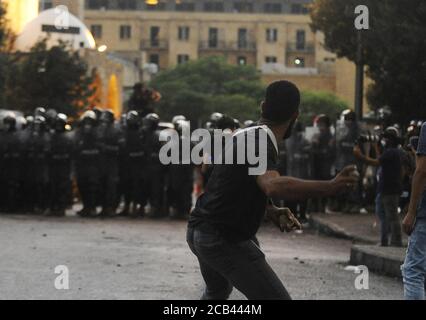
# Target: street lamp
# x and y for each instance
(102, 48)
(359, 78)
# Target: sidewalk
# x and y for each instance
(361, 229)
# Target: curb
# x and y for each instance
(386, 263)
(333, 230)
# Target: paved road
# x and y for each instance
(146, 259)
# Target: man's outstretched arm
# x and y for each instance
(288, 188)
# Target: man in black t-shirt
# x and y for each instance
(224, 223)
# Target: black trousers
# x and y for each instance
(225, 265)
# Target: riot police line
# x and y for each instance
(47, 164)
(113, 166)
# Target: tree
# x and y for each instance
(198, 88)
(52, 78)
(6, 38)
(314, 103)
(393, 49)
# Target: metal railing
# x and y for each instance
(306, 47)
(154, 44)
(228, 46)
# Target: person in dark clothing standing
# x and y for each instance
(389, 187)
(298, 166)
(134, 161)
(60, 163)
(154, 173)
(37, 148)
(223, 226)
(87, 160)
(10, 164)
(111, 141)
(181, 178)
(323, 155)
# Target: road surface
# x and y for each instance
(149, 259)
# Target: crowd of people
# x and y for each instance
(383, 153)
(113, 165)
(46, 162)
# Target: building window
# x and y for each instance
(271, 35)
(243, 6)
(297, 8)
(154, 59)
(185, 6)
(213, 37)
(300, 39)
(242, 61)
(125, 32)
(214, 6)
(242, 38)
(182, 58)
(273, 7)
(183, 33)
(299, 62)
(155, 36)
(45, 5)
(271, 59)
(97, 4)
(96, 30)
(126, 4)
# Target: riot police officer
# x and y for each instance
(133, 163)
(298, 165)
(10, 157)
(87, 160)
(181, 177)
(323, 155)
(41, 112)
(60, 164)
(111, 140)
(347, 133)
(154, 173)
(37, 147)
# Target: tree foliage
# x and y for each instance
(53, 77)
(393, 49)
(314, 103)
(198, 88)
(5, 38)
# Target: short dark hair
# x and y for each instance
(282, 101)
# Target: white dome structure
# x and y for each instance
(56, 25)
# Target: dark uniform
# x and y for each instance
(133, 164)
(298, 166)
(154, 173)
(181, 178)
(10, 157)
(111, 139)
(87, 161)
(36, 153)
(60, 164)
(347, 136)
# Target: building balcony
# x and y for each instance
(227, 46)
(302, 47)
(154, 44)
